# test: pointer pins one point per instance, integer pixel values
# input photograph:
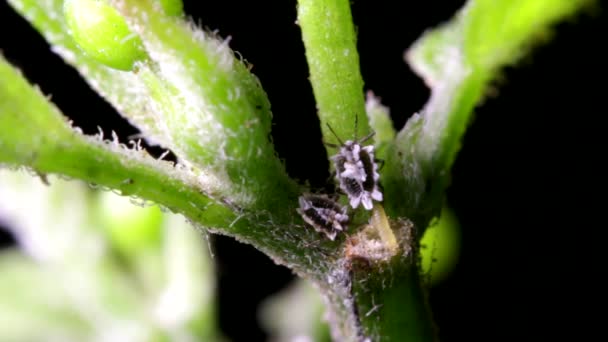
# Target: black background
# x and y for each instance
(522, 186)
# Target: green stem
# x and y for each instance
(217, 95)
(34, 134)
(391, 302)
(186, 67)
(370, 299)
(333, 61)
(375, 292)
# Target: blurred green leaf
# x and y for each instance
(34, 306)
(130, 228)
(294, 314)
(76, 281)
(440, 247)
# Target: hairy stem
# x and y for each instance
(46, 144)
(333, 61)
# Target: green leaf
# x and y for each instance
(457, 61)
(497, 33)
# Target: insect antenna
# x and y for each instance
(335, 135)
(365, 138)
(356, 124)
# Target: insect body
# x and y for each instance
(323, 214)
(357, 171)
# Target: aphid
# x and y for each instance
(323, 213)
(357, 171)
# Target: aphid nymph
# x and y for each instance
(323, 213)
(357, 171)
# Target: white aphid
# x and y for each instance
(357, 171)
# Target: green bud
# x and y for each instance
(102, 33)
(440, 247)
(172, 7)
